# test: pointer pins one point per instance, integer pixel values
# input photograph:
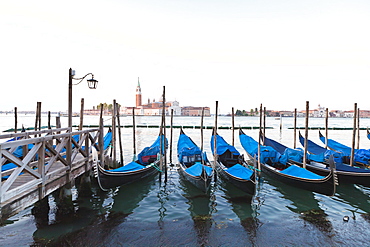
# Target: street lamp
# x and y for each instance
(92, 84)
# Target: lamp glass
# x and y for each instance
(92, 83)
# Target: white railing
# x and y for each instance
(52, 154)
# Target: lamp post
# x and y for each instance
(92, 84)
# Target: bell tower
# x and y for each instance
(138, 94)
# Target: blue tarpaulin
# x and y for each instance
(336, 146)
(274, 144)
(240, 171)
(291, 154)
(319, 153)
(196, 169)
(153, 150)
(311, 146)
(360, 155)
(186, 147)
(222, 146)
(132, 166)
(286, 153)
(251, 146)
(296, 171)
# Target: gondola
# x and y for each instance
(232, 166)
(361, 156)
(345, 172)
(146, 164)
(276, 165)
(193, 163)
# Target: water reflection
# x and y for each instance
(166, 188)
(128, 196)
(356, 197)
(200, 208)
(95, 218)
(242, 206)
(305, 204)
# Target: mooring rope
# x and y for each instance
(95, 167)
(156, 167)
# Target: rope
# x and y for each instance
(95, 165)
(98, 178)
(156, 167)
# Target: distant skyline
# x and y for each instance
(239, 53)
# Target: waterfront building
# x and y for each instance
(195, 111)
(155, 108)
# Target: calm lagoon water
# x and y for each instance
(155, 213)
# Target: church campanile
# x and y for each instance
(138, 94)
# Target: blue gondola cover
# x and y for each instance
(240, 171)
(132, 166)
(186, 149)
(296, 171)
(223, 146)
(196, 169)
(153, 150)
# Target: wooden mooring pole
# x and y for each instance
(133, 134)
(164, 132)
(49, 120)
(232, 126)
(295, 129)
(358, 128)
(15, 120)
(306, 135)
(82, 114)
(119, 134)
(264, 125)
(354, 136)
(201, 131)
(259, 141)
(326, 127)
(40, 212)
(171, 136)
(38, 117)
(114, 134)
(215, 138)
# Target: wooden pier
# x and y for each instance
(49, 160)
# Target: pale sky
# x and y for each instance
(242, 53)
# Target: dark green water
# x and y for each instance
(149, 213)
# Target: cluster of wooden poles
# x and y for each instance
(262, 127)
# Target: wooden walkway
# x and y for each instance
(44, 161)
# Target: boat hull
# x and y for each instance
(109, 179)
(343, 176)
(325, 186)
(202, 182)
(248, 186)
